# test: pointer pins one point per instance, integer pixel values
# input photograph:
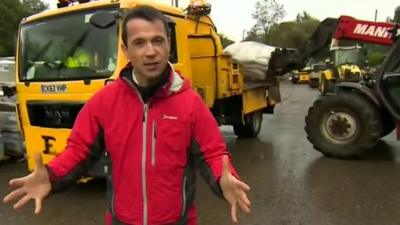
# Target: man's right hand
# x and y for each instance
(35, 186)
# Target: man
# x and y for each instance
(80, 58)
(155, 130)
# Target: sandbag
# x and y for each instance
(2, 154)
(253, 57)
(13, 144)
(254, 72)
(250, 52)
(8, 121)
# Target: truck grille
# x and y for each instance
(53, 115)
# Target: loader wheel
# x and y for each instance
(343, 125)
(388, 124)
(252, 125)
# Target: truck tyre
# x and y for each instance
(343, 125)
(388, 124)
(252, 125)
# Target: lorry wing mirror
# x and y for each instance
(7, 91)
(103, 20)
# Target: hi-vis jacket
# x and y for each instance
(153, 149)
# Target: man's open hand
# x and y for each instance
(234, 190)
(35, 186)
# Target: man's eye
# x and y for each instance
(158, 41)
(138, 43)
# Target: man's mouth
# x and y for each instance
(151, 64)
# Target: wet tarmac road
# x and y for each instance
(292, 184)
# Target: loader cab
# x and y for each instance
(388, 81)
(348, 55)
(348, 61)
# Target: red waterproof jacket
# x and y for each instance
(152, 148)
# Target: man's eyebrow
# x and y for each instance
(159, 36)
(152, 38)
(137, 39)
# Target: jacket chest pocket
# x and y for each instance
(169, 143)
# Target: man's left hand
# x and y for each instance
(234, 190)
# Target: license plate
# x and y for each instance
(54, 88)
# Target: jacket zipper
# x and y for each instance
(184, 196)
(144, 165)
(153, 145)
(112, 204)
(144, 146)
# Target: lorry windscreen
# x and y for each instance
(67, 47)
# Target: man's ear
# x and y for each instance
(169, 43)
(124, 49)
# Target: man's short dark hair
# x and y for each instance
(144, 12)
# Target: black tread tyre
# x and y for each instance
(343, 125)
(252, 126)
(388, 124)
(313, 84)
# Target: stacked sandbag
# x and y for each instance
(12, 141)
(253, 58)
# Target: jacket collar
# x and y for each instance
(175, 82)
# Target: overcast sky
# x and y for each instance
(232, 17)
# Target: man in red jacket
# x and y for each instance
(155, 130)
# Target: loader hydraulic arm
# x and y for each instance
(366, 31)
(330, 31)
(283, 61)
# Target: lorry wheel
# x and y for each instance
(313, 84)
(343, 125)
(252, 125)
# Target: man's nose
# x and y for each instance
(150, 50)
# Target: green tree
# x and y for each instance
(389, 19)
(225, 41)
(267, 13)
(254, 35)
(375, 57)
(11, 13)
(34, 6)
(285, 34)
(396, 18)
(292, 34)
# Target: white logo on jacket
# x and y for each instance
(168, 117)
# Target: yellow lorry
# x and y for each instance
(50, 94)
(300, 76)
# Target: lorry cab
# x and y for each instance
(301, 76)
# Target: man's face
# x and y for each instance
(147, 47)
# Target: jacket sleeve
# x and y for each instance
(84, 147)
(208, 146)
